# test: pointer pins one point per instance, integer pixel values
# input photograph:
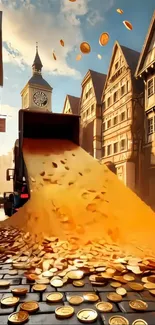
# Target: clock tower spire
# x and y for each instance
(36, 95)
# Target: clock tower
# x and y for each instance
(36, 95)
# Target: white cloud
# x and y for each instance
(25, 26)
(94, 17)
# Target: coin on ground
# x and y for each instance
(87, 315)
(104, 39)
(19, 317)
(114, 297)
(9, 301)
(54, 297)
(138, 305)
(91, 297)
(75, 300)
(57, 283)
(64, 312)
(128, 277)
(75, 275)
(118, 320)
(4, 283)
(115, 284)
(79, 283)
(136, 286)
(139, 322)
(19, 291)
(104, 306)
(152, 292)
(121, 291)
(13, 272)
(30, 306)
(43, 281)
(39, 287)
(85, 48)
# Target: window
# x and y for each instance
(87, 112)
(122, 145)
(103, 126)
(109, 149)
(150, 87)
(92, 108)
(109, 124)
(115, 147)
(115, 96)
(150, 125)
(115, 119)
(116, 66)
(122, 117)
(103, 151)
(109, 101)
(122, 90)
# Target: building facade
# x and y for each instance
(146, 71)
(90, 112)
(71, 105)
(37, 93)
(122, 116)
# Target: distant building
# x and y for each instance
(90, 111)
(146, 71)
(122, 116)
(71, 105)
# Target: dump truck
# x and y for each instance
(35, 125)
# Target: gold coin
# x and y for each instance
(128, 277)
(79, 283)
(114, 297)
(9, 301)
(91, 297)
(139, 322)
(85, 48)
(31, 276)
(43, 281)
(78, 57)
(57, 283)
(118, 320)
(136, 286)
(152, 292)
(75, 300)
(30, 306)
(54, 297)
(104, 306)
(13, 272)
(149, 285)
(127, 24)
(54, 56)
(115, 284)
(99, 56)
(64, 312)
(19, 291)
(87, 315)
(120, 11)
(19, 317)
(39, 287)
(104, 39)
(75, 275)
(138, 305)
(121, 291)
(62, 42)
(4, 283)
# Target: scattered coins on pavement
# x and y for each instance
(19, 317)
(54, 297)
(104, 306)
(79, 283)
(64, 312)
(87, 315)
(114, 297)
(121, 291)
(30, 306)
(90, 297)
(75, 300)
(19, 291)
(9, 301)
(118, 320)
(138, 305)
(57, 283)
(4, 283)
(139, 322)
(39, 287)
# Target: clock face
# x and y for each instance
(40, 99)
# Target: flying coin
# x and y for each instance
(120, 11)
(91, 297)
(43, 281)
(138, 305)
(19, 317)
(75, 300)
(99, 56)
(64, 312)
(139, 322)
(57, 283)
(72, 0)
(9, 301)
(4, 283)
(104, 306)
(104, 39)
(136, 286)
(118, 320)
(62, 42)
(115, 284)
(121, 291)
(79, 283)
(87, 315)
(19, 291)
(78, 57)
(54, 56)
(30, 306)
(85, 48)
(127, 24)
(75, 275)
(54, 297)
(39, 287)
(114, 297)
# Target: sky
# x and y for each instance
(26, 22)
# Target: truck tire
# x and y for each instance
(8, 211)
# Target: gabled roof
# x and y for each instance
(74, 104)
(98, 80)
(146, 46)
(131, 58)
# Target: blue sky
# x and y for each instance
(48, 21)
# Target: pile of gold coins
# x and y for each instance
(57, 262)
